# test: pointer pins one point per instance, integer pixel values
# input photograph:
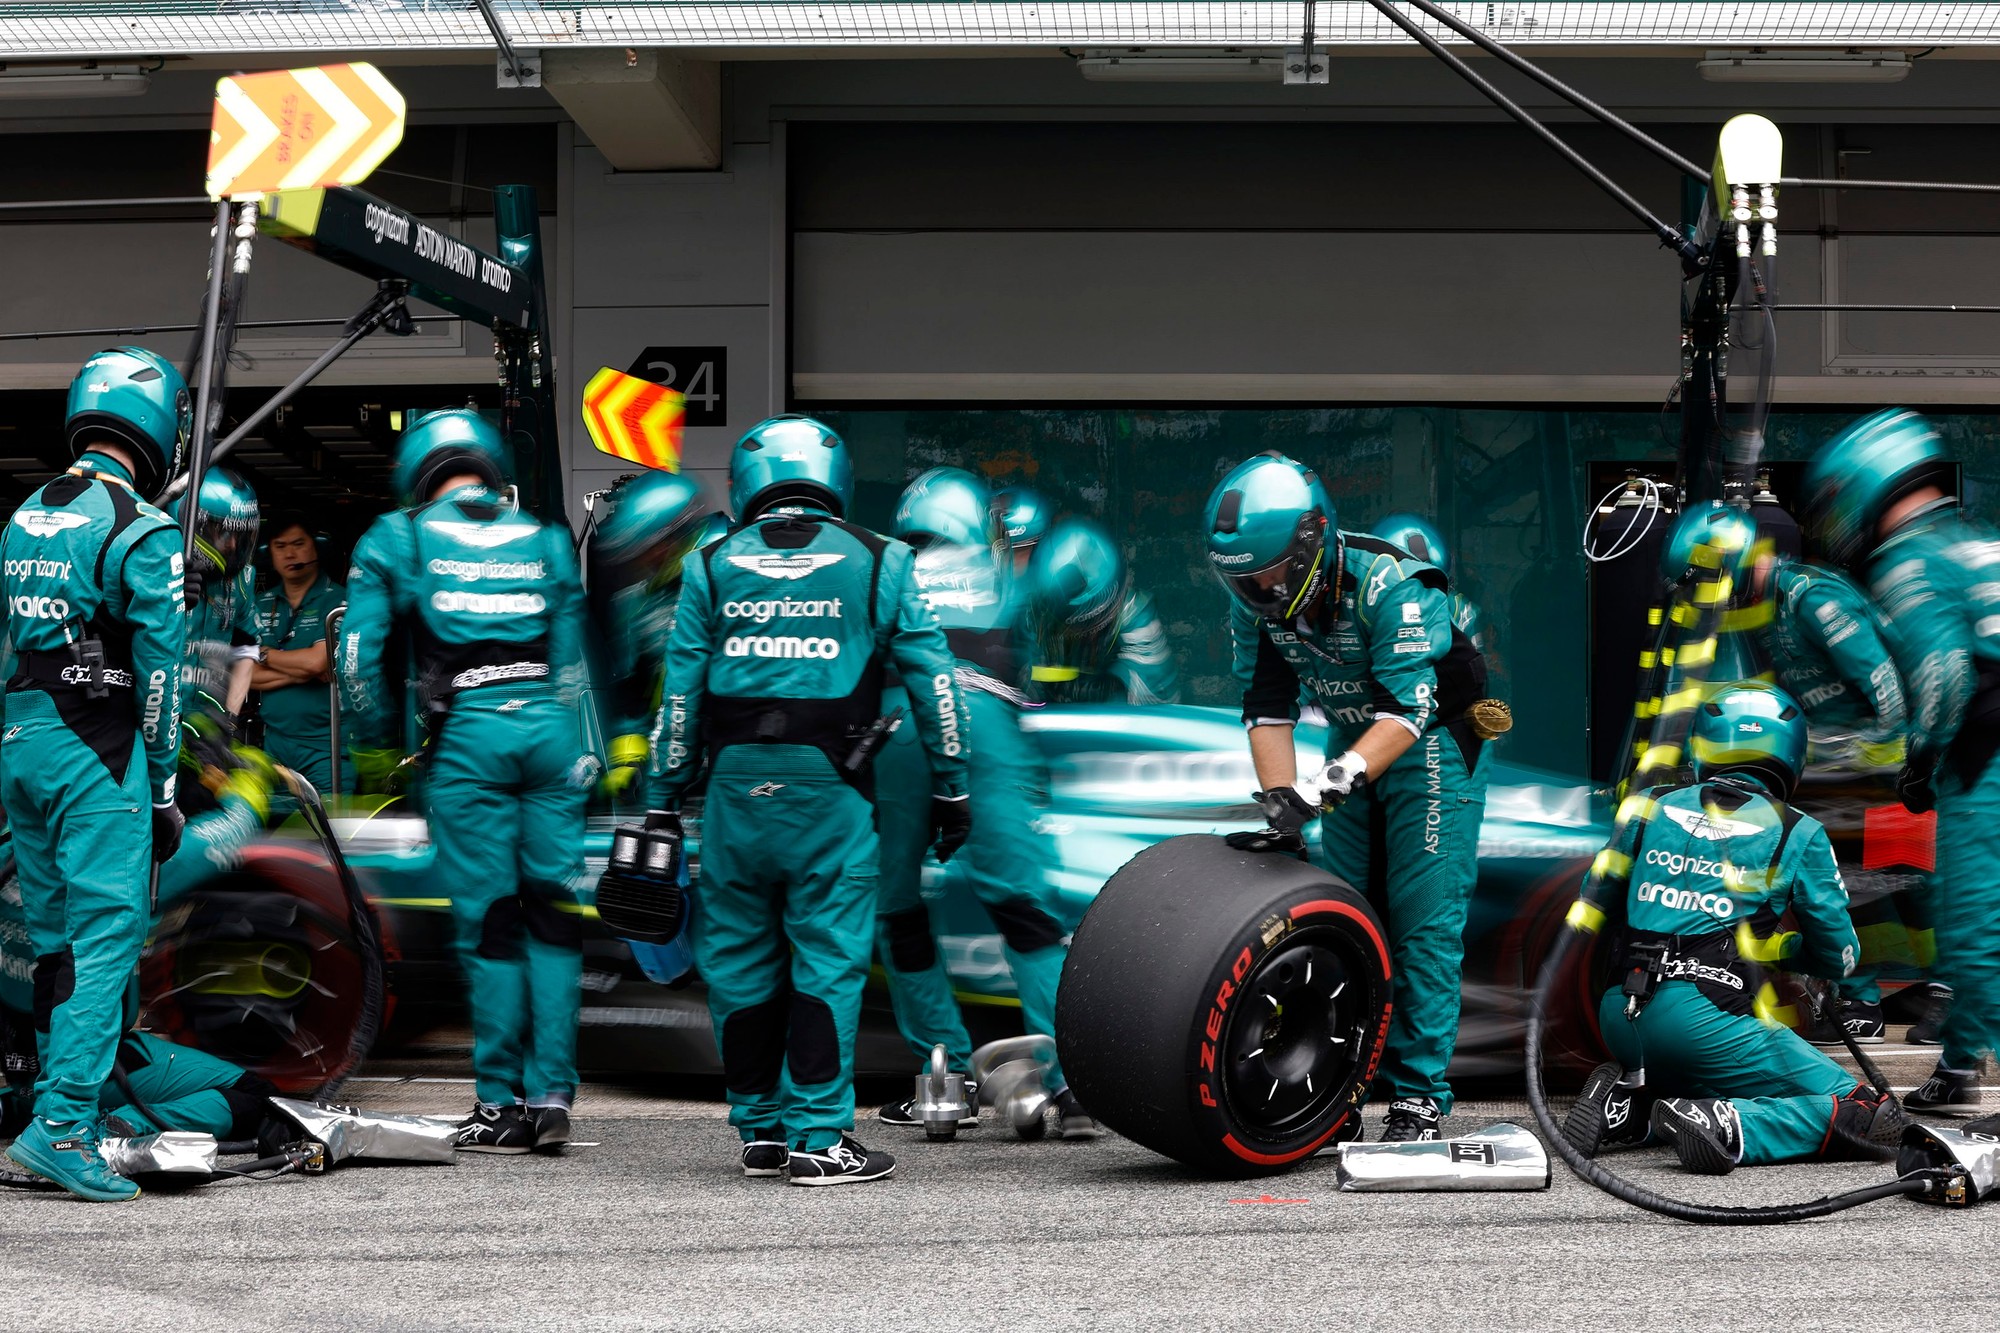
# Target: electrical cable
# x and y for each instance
(1652, 502)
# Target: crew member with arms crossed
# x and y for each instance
(774, 673)
(292, 679)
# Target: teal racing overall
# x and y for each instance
(298, 719)
(774, 673)
(1008, 860)
(1937, 578)
(182, 1088)
(1829, 649)
(492, 601)
(93, 591)
(1702, 875)
(1386, 647)
(1129, 661)
(222, 631)
(637, 621)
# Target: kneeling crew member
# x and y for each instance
(1366, 629)
(1702, 875)
(496, 610)
(775, 672)
(94, 614)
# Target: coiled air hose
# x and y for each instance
(1917, 1182)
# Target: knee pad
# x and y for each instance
(55, 982)
(249, 1103)
(911, 946)
(1024, 926)
(753, 1045)
(549, 923)
(500, 932)
(814, 1051)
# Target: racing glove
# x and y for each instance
(1289, 811)
(375, 771)
(1341, 778)
(194, 582)
(629, 755)
(1916, 789)
(167, 825)
(951, 824)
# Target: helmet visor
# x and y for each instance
(1285, 589)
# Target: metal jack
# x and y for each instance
(1013, 1080)
(941, 1102)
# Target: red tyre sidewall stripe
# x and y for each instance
(1318, 907)
(1348, 910)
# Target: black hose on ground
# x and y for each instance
(1639, 1196)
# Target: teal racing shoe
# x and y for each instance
(67, 1155)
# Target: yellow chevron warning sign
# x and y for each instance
(300, 129)
(634, 419)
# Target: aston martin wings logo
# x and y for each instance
(44, 523)
(785, 566)
(1709, 826)
(483, 535)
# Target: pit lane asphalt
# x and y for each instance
(652, 1228)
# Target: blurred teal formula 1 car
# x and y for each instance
(1120, 780)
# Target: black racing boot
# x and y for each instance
(1932, 1010)
(1861, 1020)
(844, 1163)
(765, 1157)
(1867, 1126)
(1703, 1130)
(495, 1129)
(1071, 1120)
(550, 1125)
(1947, 1092)
(1412, 1120)
(1609, 1113)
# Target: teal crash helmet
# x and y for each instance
(1417, 535)
(225, 523)
(1752, 729)
(1273, 536)
(137, 398)
(1076, 582)
(441, 445)
(1712, 538)
(1860, 473)
(656, 519)
(951, 505)
(1024, 516)
(790, 460)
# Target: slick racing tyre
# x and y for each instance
(275, 965)
(1226, 1009)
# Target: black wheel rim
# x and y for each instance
(1294, 1035)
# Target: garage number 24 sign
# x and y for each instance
(700, 373)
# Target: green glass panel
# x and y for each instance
(1506, 485)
